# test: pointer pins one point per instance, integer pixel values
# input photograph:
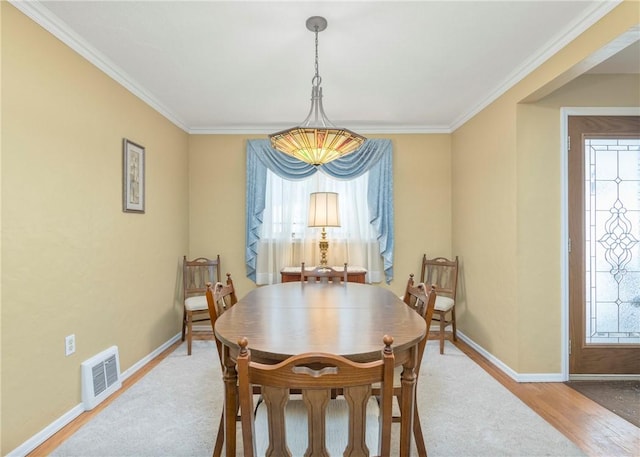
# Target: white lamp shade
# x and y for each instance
(324, 210)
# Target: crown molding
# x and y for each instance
(266, 130)
(42, 16)
(51, 23)
(579, 26)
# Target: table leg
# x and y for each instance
(230, 403)
(407, 399)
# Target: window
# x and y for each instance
(374, 158)
(285, 239)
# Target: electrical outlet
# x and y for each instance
(69, 345)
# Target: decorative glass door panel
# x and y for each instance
(612, 240)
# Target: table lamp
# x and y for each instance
(324, 212)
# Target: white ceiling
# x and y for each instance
(386, 66)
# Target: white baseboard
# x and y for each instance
(518, 377)
(136, 366)
(540, 377)
(46, 433)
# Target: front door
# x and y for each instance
(604, 232)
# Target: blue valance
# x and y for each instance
(373, 156)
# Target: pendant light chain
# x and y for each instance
(317, 77)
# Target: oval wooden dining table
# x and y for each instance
(349, 319)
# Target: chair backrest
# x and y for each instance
(423, 300)
(213, 316)
(323, 274)
(197, 273)
(315, 375)
(416, 296)
(220, 298)
(224, 296)
(441, 273)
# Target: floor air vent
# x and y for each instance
(100, 377)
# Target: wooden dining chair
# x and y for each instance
(288, 425)
(196, 274)
(443, 274)
(323, 274)
(422, 300)
(220, 297)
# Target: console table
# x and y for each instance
(354, 274)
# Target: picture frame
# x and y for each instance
(133, 177)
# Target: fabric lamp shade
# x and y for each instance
(324, 210)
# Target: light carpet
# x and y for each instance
(174, 411)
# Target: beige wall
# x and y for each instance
(422, 196)
(506, 205)
(539, 204)
(72, 261)
(484, 236)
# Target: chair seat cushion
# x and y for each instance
(443, 303)
(337, 427)
(197, 303)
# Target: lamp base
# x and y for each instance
(324, 247)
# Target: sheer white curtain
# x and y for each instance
(286, 240)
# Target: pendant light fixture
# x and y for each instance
(316, 141)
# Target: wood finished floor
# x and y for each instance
(594, 429)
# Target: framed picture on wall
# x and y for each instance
(133, 190)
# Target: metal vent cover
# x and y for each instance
(100, 377)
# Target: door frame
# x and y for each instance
(565, 112)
